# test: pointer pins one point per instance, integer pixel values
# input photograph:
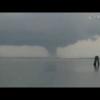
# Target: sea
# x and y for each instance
(46, 72)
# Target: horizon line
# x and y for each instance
(52, 57)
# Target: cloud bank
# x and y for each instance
(23, 51)
(50, 30)
(82, 48)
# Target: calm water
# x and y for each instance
(48, 73)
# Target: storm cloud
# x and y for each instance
(50, 30)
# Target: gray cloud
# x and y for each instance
(50, 30)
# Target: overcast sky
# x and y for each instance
(50, 31)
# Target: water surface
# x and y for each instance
(48, 73)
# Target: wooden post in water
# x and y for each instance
(96, 63)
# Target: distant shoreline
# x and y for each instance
(41, 58)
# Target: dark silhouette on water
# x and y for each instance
(96, 63)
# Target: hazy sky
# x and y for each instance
(52, 31)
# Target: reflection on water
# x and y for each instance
(96, 69)
(44, 73)
(49, 73)
(50, 66)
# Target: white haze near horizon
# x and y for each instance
(81, 49)
(23, 51)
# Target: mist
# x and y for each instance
(81, 49)
(23, 51)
